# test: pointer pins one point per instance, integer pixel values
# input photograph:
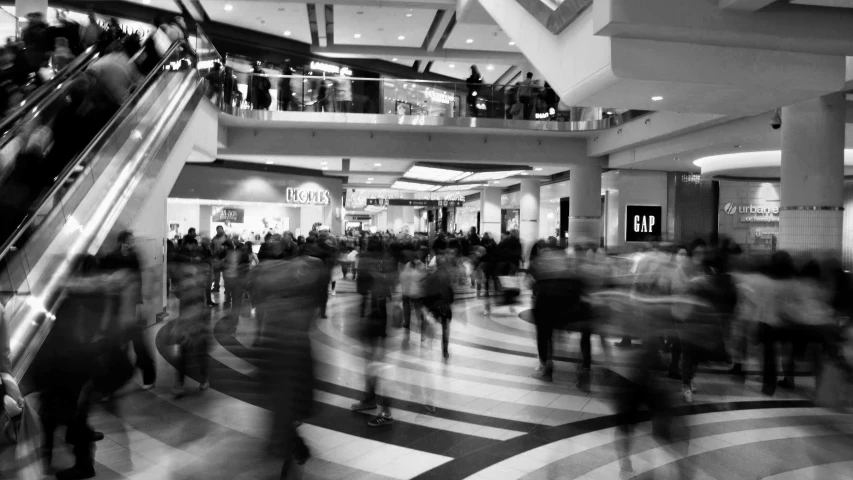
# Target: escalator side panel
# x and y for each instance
(97, 210)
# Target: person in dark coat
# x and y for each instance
(285, 290)
(259, 89)
(475, 84)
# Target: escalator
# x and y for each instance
(78, 202)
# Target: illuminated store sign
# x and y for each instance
(757, 213)
(440, 97)
(308, 197)
(330, 69)
(644, 223)
(233, 215)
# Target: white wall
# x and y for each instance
(632, 187)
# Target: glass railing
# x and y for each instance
(390, 96)
(55, 158)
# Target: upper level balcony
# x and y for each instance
(336, 99)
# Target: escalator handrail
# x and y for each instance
(105, 131)
(41, 94)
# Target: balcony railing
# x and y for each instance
(241, 93)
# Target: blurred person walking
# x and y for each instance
(259, 89)
(62, 55)
(123, 262)
(218, 252)
(439, 299)
(191, 330)
(527, 95)
(90, 32)
(286, 294)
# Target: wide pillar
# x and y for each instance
(490, 212)
(811, 212)
(585, 205)
(528, 206)
(402, 217)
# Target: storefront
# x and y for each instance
(252, 203)
(420, 98)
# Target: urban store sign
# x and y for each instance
(755, 213)
(440, 97)
(644, 223)
(331, 69)
(308, 197)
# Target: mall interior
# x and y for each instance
(666, 183)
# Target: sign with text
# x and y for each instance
(377, 202)
(425, 203)
(308, 197)
(644, 223)
(233, 215)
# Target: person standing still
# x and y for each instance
(475, 83)
(525, 96)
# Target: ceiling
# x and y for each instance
(270, 17)
(418, 28)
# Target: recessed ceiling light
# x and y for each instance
(511, 44)
(324, 168)
(452, 66)
(228, 7)
(408, 14)
(470, 40)
(490, 67)
(394, 59)
(269, 163)
(401, 37)
(524, 173)
(287, 33)
(657, 98)
(370, 179)
(609, 113)
(146, 2)
(357, 35)
(538, 169)
(377, 164)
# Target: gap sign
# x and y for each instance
(643, 223)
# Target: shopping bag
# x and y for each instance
(834, 387)
(30, 440)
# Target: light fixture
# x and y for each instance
(357, 35)
(324, 163)
(460, 188)
(146, 2)
(470, 40)
(524, 173)
(394, 59)
(408, 14)
(538, 169)
(287, 33)
(401, 37)
(417, 187)
(488, 176)
(370, 179)
(490, 67)
(269, 163)
(434, 174)
(452, 66)
(228, 7)
(609, 113)
(511, 44)
(324, 168)
(657, 98)
(377, 164)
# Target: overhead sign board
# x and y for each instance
(643, 223)
(753, 213)
(308, 197)
(233, 215)
(425, 203)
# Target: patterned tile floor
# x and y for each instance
(493, 421)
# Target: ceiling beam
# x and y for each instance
(426, 4)
(745, 5)
(439, 30)
(320, 13)
(473, 56)
(507, 76)
(422, 65)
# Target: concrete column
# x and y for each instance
(529, 215)
(400, 217)
(490, 212)
(812, 178)
(585, 204)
